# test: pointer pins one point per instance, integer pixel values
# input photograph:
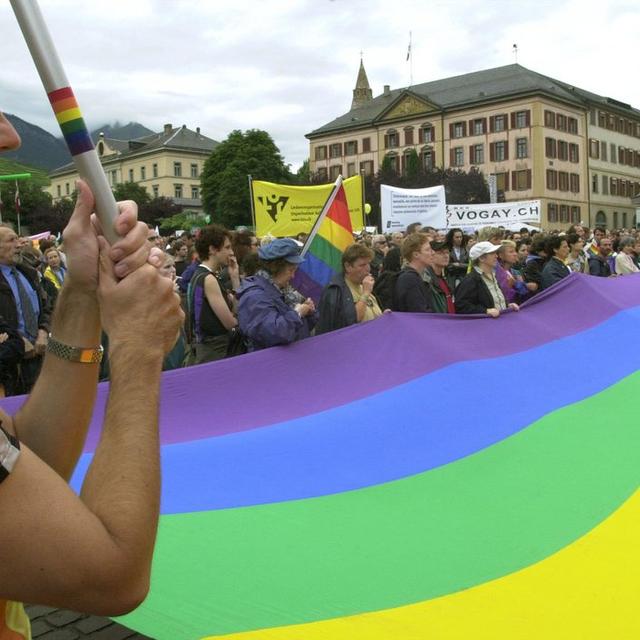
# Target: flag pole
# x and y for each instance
(66, 110)
(321, 216)
(253, 209)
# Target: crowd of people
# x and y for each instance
(239, 291)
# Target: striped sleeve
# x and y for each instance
(9, 452)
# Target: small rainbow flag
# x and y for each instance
(330, 236)
(69, 117)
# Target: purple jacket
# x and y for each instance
(515, 293)
(264, 317)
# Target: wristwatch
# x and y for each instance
(75, 354)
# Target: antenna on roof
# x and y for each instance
(515, 52)
(410, 61)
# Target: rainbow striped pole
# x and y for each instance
(66, 109)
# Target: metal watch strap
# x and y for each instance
(75, 354)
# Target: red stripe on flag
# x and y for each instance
(60, 94)
(339, 210)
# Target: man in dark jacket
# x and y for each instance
(412, 293)
(555, 269)
(598, 258)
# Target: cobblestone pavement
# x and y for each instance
(48, 623)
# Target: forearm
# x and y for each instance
(122, 485)
(53, 421)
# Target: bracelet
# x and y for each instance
(75, 354)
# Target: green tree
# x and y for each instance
(413, 176)
(225, 188)
(131, 191)
(186, 220)
(303, 174)
(158, 209)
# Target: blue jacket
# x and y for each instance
(264, 317)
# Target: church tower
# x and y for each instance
(362, 93)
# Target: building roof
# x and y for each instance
(170, 138)
(478, 87)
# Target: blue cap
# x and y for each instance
(283, 248)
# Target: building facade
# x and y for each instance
(167, 164)
(534, 133)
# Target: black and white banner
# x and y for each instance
(503, 214)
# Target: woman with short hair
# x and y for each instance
(624, 259)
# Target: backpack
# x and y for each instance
(384, 288)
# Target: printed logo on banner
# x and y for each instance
(273, 204)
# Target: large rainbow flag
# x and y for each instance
(330, 236)
(419, 476)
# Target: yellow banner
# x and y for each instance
(285, 210)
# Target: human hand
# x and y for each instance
(40, 345)
(494, 313)
(81, 242)
(311, 304)
(140, 311)
(3, 337)
(29, 349)
(532, 286)
(367, 285)
(513, 306)
(302, 309)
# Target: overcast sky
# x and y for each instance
(290, 66)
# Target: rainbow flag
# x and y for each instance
(69, 117)
(423, 476)
(330, 236)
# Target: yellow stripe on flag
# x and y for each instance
(68, 115)
(336, 234)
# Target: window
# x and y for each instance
(391, 139)
(563, 150)
(351, 148)
(177, 191)
(572, 125)
(564, 213)
(563, 181)
(194, 170)
(552, 212)
(549, 119)
(612, 155)
(550, 147)
(594, 183)
(143, 173)
(622, 189)
(194, 192)
(458, 129)
(499, 123)
(601, 219)
(594, 149)
(154, 170)
(521, 119)
(521, 180)
(366, 145)
(479, 127)
(130, 175)
(426, 133)
(457, 157)
(114, 177)
(322, 173)
(177, 170)
(624, 219)
(521, 148)
(575, 215)
(428, 158)
(477, 154)
(66, 188)
(408, 136)
(366, 167)
(320, 153)
(603, 150)
(613, 187)
(574, 182)
(593, 116)
(335, 150)
(552, 179)
(621, 155)
(561, 122)
(615, 219)
(499, 151)
(351, 169)
(502, 182)
(156, 190)
(574, 155)
(334, 171)
(59, 189)
(605, 186)
(602, 119)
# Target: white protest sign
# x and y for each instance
(493, 215)
(401, 207)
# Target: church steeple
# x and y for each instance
(362, 93)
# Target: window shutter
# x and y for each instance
(528, 118)
(528, 178)
(451, 130)
(420, 135)
(513, 120)
(506, 150)
(386, 140)
(506, 181)
(464, 129)
(514, 179)
(451, 157)
(471, 158)
(433, 134)
(492, 152)
(492, 124)
(484, 125)
(471, 129)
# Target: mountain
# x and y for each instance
(39, 148)
(129, 131)
(10, 167)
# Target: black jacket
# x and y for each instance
(8, 308)
(11, 352)
(554, 271)
(412, 293)
(473, 295)
(336, 307)
(599, 267)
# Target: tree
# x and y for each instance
(225, 188)
(131, 191)
(158, 209)
(413, 171)
(185, 220)
(465, 188)
(303, 174)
